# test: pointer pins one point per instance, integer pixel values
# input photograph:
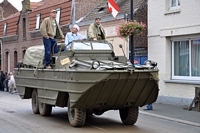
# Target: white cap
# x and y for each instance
(77, 27)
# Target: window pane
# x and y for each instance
(58, 15)
(37, 22)
(181, 58)
(101, 46)
(81, 46)
(5, 29)
(173, 4)
(179, 3)
(195, 62)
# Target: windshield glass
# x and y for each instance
(101, 46)
(90, 46)
(82, 46)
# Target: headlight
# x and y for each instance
(95, 64)
(147, 63)
(150, 63)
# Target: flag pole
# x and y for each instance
(131, 42)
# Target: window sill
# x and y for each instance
(173, 11)
(196, 82)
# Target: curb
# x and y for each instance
(170, 119)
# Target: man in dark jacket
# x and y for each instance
(2, 80)
(6, 81)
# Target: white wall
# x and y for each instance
(162, 26)
(159, 19)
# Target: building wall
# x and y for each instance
(84, 6)
(140, 15)
(110, 29)
(8, 8)
(164, 25)
(18, 38)
(16, 42)
(11, 26)
(64, 16)
(140, 41)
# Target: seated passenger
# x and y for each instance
(73, 35)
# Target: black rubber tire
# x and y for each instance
(35, 103)
(129, 115)
(76, 116)
(89, 112)
(45, 109)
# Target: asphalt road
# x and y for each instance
(16, 116)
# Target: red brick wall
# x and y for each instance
(11, 26)
(141, 16)
(64, 16)
(16, 42)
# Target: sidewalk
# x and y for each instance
(173, 113)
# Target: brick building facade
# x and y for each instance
(6, 9)
(22, 29)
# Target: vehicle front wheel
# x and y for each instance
(35, 104)
(45, 109)
(129, 115)
(76, 116)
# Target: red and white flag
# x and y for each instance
(113, 8)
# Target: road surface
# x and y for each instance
(16, 116)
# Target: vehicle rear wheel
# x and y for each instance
(129, 115)
(45, 109)
(76, 116)
(35, 104)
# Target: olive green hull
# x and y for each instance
(90, 89)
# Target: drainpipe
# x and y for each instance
(1, 44)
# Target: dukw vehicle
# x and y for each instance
(88, 79)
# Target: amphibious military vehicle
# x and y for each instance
(89, 79)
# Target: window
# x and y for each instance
(37, 22)
(185, 59)
(174, 4)
(15, 59)
(58, 15)
(7, 62)
(24, 29)
(5, 29)
(23, 53)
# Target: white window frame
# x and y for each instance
(175, 7)
(58, 15)
(37, 26)
(172, 63)
(5, 29)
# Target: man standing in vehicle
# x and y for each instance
(73, 35)
(96, 31)
(50, 31)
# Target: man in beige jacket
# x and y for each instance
(96, 31)
(50, 31)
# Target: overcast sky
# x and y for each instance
(18, 3)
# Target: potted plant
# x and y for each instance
(128, 28)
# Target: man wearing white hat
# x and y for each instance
(73, 35)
